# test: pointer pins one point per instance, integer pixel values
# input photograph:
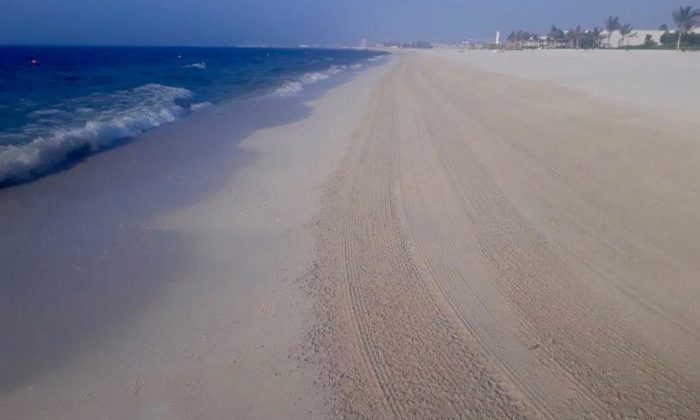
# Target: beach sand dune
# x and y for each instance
(499, 248)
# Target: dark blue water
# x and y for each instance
(60, 103)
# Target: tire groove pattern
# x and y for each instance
(424, 365)
(535, 276)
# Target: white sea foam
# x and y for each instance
(335, 70)
(129, 113)
(201, 66)
(314, 77)
(42, 112)
(199, 105)
(290, 88)
(295, 87)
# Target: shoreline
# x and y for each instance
(214, 238)
(57, 134)
(427, 239)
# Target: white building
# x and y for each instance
(636, 38)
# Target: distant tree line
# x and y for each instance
(671, 38)
(521, 36)
(557, 38)
(686, 20)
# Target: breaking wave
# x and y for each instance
(290, 88)
(295, 87)
(87, 130)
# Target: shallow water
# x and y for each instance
(58, 104)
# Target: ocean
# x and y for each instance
(59, 104)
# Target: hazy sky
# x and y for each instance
(290, 22)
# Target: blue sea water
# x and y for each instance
(61, 103)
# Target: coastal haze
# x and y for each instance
(279, 22)
(482, 230)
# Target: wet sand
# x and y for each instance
(433, 238)
(159, 279)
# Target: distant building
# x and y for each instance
(636, 38)
(363, 43)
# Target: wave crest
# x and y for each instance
(131, 113)
(290, 88)
(295, 87)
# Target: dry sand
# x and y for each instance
(657, 79)
(470, 245)
(500, 248)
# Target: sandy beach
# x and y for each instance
(162, 282)
(442, 235)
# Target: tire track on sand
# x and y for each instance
(387, 346)
(581, 331)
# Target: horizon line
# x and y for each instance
(280, 46)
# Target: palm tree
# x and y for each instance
(611, 25)
(556, 35)
(625, 30)
(595, 34)
(577, 39)
(687, 19)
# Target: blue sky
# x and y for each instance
(290, 22)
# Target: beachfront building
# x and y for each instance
(636, 38)
(531, 42)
